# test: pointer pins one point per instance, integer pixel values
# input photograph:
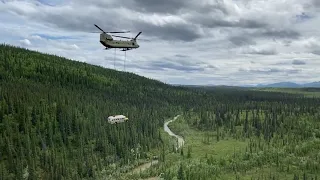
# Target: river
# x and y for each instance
(180, 140)
(180, 143)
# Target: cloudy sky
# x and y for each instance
(230, 42)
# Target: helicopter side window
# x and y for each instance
(132, 43)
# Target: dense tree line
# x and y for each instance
(53, 114)
(53, 125)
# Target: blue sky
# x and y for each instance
(192, 42)
(52, 2)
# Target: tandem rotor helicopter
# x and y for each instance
(109, 43)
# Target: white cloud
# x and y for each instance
(25, 42)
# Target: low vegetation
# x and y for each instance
(274, 138)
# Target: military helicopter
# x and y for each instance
(109, 43)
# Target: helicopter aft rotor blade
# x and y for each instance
(137, 35)
(121, 37)
(119, 32)
(135, 38)
(109, 32)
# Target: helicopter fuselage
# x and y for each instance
(107, 41)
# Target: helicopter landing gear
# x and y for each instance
(126, 49)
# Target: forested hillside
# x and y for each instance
(53, 124)
(53, 114)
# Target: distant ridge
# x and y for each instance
(274, 85)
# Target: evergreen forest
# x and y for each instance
(53, 125)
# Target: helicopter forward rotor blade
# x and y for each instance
(146, 40)
(99, 28)
(119, 32)
(109, 32)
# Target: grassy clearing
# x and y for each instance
(209, 153)
(307, 92)
(204, 144)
